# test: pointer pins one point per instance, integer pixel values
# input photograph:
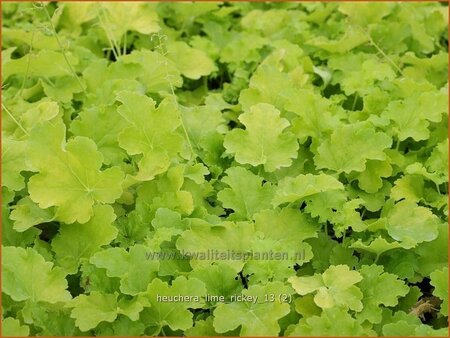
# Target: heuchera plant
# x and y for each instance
(143, 141)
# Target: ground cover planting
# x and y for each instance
(224, 169)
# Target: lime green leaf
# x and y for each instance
(140, 17)
(292, 227)
(203, 124)
(77, 241)
(291, 189)
(188, 149)
(45, 63)
(28, 277)
(258, 318)
(69, 174)
(412, 116)
(366, 13)
(246, 195)
(278, 76)
(27, 214)
(419, 169)
(433, 255)
(306, 307)
(439, 279)
(51, 320)
(96, 279)
(325, 204)
(104, 80)
(351, 39)
(174, 314)
(370, 180)
(400, 327)
(134, 268)
(12, 328)
(13, 162)
(315, 118)
(343, 255)
(102, 125)
(410, 187)
(131, 307)
(36, 38)
(358, 73)
(150, 132)
(166, 192)
(427, 331)
(264, 140)
(62, 89)
(11, 237)
(374, 284)
(27, 117)
(204, 328)
(335, 287)
(89, 311)
(285, 242)
(75, 14)
(348, 217)
(203, 239)
(197, 173)
(438, 161)
(122, 326)
(219, 280)
(349, 148)
(378, 246)
(411, 224)
(401, 323)
(242, 47)
(270, 261)
(192, 63)
(156, 72)
(326, 325)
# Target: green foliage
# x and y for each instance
(439, 279)
(12, 328)
(256, 319)
(334, 288)
(262, 141)
(224, 169)
(28, 277)
(69, 175)
(246, 194)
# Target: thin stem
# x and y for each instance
(19, 93)
(124, 52)
(14, 119)
(438, 189)
(111, 35)
(397, 68)
(108, 53)
(50, 82)
(205, 83)
(111, 44)
(378, 48)
(62, 48)
(376, 259)
(186, 135)
(354, 101)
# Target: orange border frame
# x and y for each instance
(1, 197)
